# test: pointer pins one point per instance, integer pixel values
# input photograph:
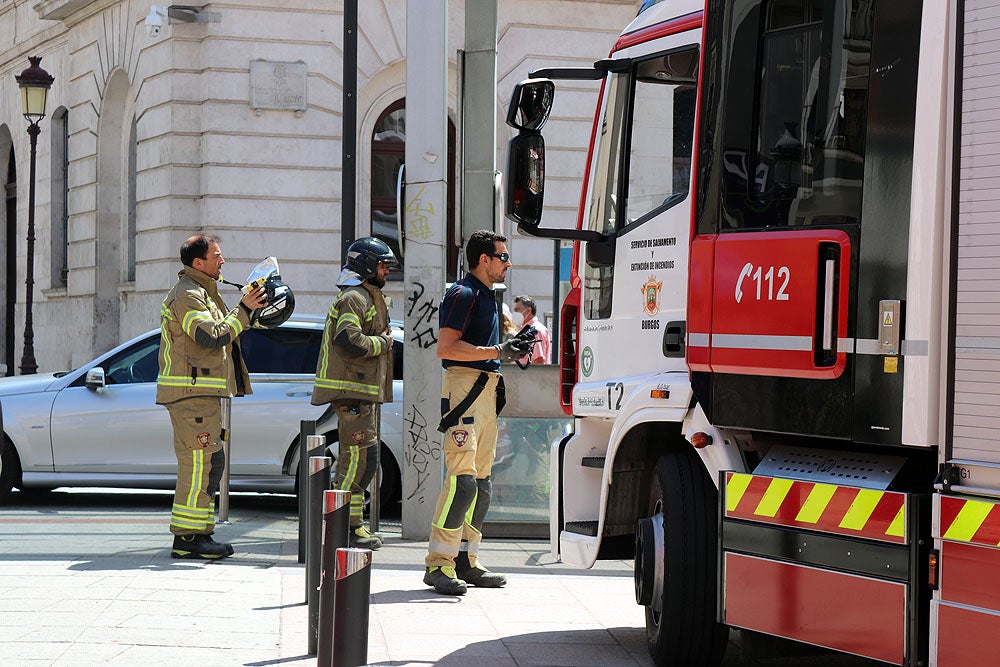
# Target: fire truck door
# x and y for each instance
(779, 321)
(634, 283)
(804, 167)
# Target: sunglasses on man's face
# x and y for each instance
(503, 256)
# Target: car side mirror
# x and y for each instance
(96, 379)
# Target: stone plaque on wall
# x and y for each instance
(278, 85)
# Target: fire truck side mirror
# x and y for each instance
(601, 254)
(530, 104)
(525, 178)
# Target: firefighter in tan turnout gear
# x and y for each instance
(200, 364)
(354, 372)
(471, 397)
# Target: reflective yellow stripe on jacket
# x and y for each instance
(346, 385)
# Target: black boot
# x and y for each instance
(478, 575)
(229, 547)
(360, 538)
(444, 581)
(199, 547)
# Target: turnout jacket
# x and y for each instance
(355, 357)
(199, 355)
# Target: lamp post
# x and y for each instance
(34, 83)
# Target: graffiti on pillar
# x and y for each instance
(423, 455)
(424, 313)
(418, 215)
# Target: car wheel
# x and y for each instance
(676, 554)
(9, 468)
(391, 487)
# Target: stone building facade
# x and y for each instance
(234, 126)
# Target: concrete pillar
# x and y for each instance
(425, 211)
(479, 92)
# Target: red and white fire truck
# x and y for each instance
(781, 348)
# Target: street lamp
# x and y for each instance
(34, 83)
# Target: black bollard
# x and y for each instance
(350, 607)
(319, 481)
(375, 504)
(336, 535)
(307, 427)
(315, 446)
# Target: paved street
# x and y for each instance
(87, 578)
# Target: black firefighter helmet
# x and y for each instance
(279, 307)
(364, 255)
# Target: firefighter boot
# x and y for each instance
(444, 581)
(197, 547)
(478, 575)
(360, 538)
(229, 547)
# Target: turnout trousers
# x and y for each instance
(356, 457)
(469, 448)
(197, 423)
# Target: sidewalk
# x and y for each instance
(88, 579)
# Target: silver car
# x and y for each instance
(99, 425)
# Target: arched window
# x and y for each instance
(59, 221)
(388, 154)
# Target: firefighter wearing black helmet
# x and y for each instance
(354, 371)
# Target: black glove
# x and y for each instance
(513, 349)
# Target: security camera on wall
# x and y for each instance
(154, 20)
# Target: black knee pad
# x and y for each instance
(215, 477)
(370, 454)
(465, 494)
(484, 491)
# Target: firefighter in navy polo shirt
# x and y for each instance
(471, 396)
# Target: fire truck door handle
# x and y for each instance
(829, 282)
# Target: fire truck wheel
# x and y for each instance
(684, 631)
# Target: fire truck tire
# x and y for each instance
(685, 632)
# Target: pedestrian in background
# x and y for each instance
(525, 307)
(507, 328)
(471, 397)
(200, 364)
(354, 372)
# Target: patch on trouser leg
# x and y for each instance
(459, 445)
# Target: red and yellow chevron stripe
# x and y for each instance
(846, 510)
(971, 521)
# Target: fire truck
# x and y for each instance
(781, 347)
